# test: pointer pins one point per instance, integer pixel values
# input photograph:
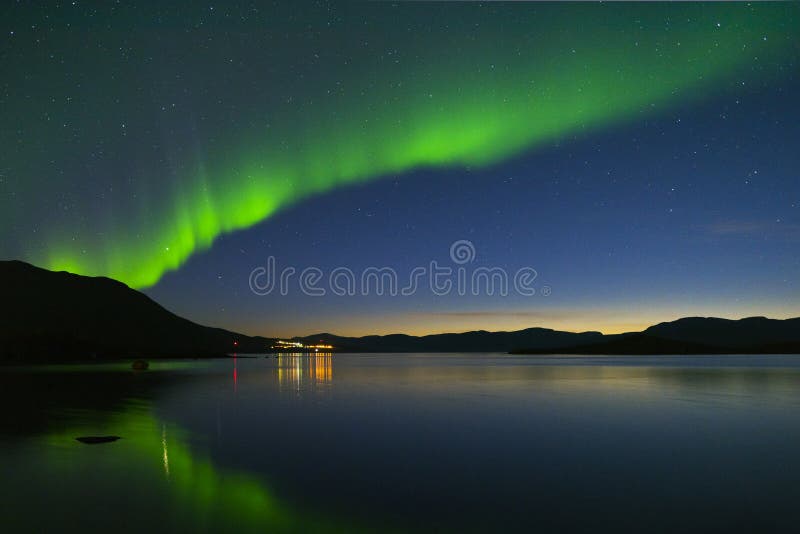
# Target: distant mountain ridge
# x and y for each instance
(697, 335)
(689, 335)
(475, 341)
(741, 333)
(58, 316)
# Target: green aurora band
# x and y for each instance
(465, 102)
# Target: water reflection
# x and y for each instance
(150, 479)
(164, 447)
(413, 442)
(301, 371)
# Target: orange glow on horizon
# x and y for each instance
(606, 321)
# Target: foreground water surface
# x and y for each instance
(415, 442)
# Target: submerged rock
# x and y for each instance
(91, 440)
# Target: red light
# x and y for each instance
(235, 343)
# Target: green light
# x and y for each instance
(182, 489)
(462, 102)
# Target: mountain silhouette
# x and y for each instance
(475, 341)
(697, 335)
(693, 335)
(743, 333)
(632, 344)
(58, 316)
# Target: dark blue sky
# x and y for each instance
(694, 211)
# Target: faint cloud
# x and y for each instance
(776, 229)
(736, 227)
(492, 314)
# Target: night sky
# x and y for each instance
(643, 159)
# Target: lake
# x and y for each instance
(405, 442)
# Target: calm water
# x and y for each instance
(405, 442)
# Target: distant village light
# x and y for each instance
(281, 344)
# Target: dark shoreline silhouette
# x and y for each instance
(643, 344)
(689, 335)
(61, 317)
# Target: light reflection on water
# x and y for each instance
(300, 371)
(457, 442)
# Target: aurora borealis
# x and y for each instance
(135, 136)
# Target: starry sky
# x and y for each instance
(642, 158)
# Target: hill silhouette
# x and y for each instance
(743, 333)
(632, 344)
(697, 335)
(753, 335)
(475, 341)
(58, 316)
